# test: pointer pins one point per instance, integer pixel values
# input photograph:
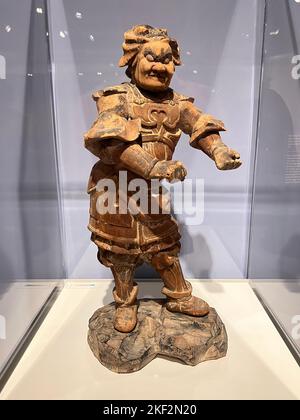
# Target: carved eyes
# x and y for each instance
(149, 57)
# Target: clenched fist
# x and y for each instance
(226, 158)
(172, 170)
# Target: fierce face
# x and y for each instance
(154, 66)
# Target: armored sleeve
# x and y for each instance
(112, 137)
(197, 124)
(202, 128)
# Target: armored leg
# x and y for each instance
(176, 288)
(125, 291)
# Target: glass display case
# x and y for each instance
(241, 62)
(31, 241)
(274, 231)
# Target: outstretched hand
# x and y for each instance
(226, 158)
(172, 170)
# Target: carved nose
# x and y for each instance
(159, 67)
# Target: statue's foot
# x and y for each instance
(125, 318)
(190, 305)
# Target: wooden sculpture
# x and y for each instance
(138, 126)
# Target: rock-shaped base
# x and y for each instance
(158, 332)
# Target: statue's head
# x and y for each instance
(150, 56)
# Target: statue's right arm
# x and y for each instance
(115, 138)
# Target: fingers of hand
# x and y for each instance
(177, 172)
(228, 160)
(229, 164)
(234, 155)
(181, 172)
(237, 163)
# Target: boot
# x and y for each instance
(125, 294)
(185, 302)
(176, 288)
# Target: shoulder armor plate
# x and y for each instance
(111, 90)
(180, 97)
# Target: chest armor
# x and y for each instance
(159, 121)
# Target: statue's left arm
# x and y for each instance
(204, 131)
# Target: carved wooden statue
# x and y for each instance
(138, 126)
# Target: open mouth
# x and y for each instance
(158, 76)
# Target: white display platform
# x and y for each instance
(59, 364)
(282, 297)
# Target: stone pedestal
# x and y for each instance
(184, 338)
